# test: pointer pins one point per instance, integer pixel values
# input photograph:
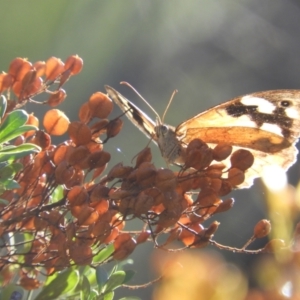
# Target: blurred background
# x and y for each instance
(211, 51)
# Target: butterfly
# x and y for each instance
(265, 123)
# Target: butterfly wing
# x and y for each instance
(133, 113)
(266, 123)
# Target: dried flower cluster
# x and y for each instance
(92, 208)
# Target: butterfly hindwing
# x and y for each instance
(265, 123)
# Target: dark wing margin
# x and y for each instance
(133, 113)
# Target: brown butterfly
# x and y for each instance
(265, 123)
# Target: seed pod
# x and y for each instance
(165, 180)
(124, 245)
(145, 174)
(40, 67)
(41, 139)
(78, 157)
(29, 283)
(82, 255)
(32, 120)
(6, 81)
(100, 105)
(242, 159)
(62, 152)
(119, 171)
(188, 237)
(57, 98)
(235, 176)
(142, 204)
(85, 215)
(222, 151)
(99, 192)
(262, 229)
(212, 228)
(143, 237)
(74, 64)
(225, 189)
(19, 67)
(54, 67)
(225, 205)
(79, 133)
(99, 127)
(98, 159)
(64, 172)
(77, 196)
(144, 156)
(113, 128)
(55, 122)
(207, 197)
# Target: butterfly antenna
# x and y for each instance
(170, 101)
(128, 84)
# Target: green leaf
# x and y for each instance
(7, 291)
(114, 269)
(13, 121)
(13, 153)
(108, 296)
(127, 261)
(57, 194)
(129, 275)
(114, 281)
(62, 284)
(51, 278)
(102, 277)
(10, 184)
(9, 171)
(104, 254)
(90, 273)
(93, 295)
(84, 288)
(3, 106)
(18, 131)
(28, 239)
(20, 148)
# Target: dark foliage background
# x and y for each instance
(211, 51)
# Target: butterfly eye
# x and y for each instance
(285, 103)
(163, 129)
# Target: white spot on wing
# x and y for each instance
(292, 113)
(263, 105)
(271, 128)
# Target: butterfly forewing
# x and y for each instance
(133, 113)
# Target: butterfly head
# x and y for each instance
(167, 141)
